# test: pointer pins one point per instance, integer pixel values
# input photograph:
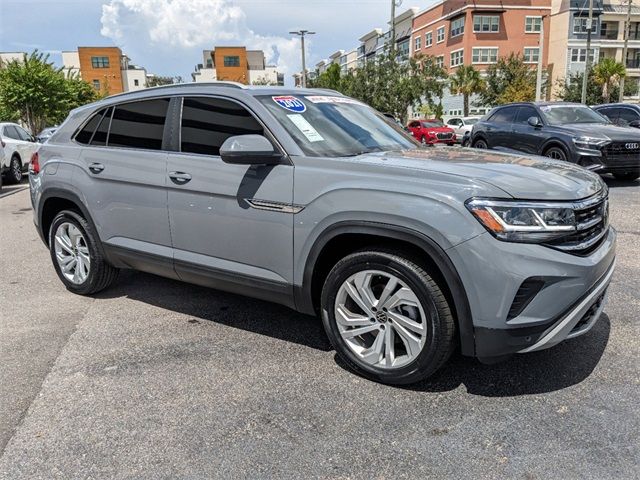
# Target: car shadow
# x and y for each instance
(7, 189)
(613, 182)
(562, 366)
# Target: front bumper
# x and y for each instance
(493, 272)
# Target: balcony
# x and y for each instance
(633, 63)
(609, 34)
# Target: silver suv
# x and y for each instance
(315, 201)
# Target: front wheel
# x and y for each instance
(76, 256)
(627, 176)
(556, 153)
(480, 143)
(386, 317)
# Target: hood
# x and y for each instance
(521, 176)
(600, 130)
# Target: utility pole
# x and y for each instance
(627, 32)
(392, 38)
(540, 57)
(302, 34)
(587, 60)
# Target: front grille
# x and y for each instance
(444, 136)
(592, 218)
(622, 154)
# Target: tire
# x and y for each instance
(423, 140)
(480, 143)
(411, 361)
(627, 176)
(14, 173)
(556, 153)
(94, 275)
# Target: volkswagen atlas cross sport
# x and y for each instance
(315, 201)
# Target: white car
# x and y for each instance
(18, 146)
(461, 125)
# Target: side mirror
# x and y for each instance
(534, 122)
(249, 150)
(635, 123)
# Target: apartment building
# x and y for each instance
(6, 57)
(106, 68)
(236, 64)
(568, 37)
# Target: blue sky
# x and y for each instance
(167, 36)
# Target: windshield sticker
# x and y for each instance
(290, 103)
(306, 128)
(325, 99)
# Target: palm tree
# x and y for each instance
(607, 73)
(466, 81)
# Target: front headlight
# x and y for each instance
(527, 222)
(590, 143)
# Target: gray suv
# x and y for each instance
(315, 201)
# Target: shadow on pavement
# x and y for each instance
(560, 367)
(613, 182)
(7, 190)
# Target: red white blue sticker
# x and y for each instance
(291, 103)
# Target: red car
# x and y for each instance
(429, 132)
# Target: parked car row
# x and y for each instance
(17, 145)
(566, 131)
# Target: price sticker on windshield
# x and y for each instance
(291, 103)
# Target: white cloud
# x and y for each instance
(182, 28)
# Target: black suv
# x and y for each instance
(623, 114)
(564, 131)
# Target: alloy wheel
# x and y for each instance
(556, 154)
(480, 144)
(381, 319)
(72, 253)
(16, 170)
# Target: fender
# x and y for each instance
(55, 192)
(303, 294)
(559, 143)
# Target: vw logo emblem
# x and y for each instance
(381, 316)
(632, 146)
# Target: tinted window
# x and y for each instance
(504, 115)
(139, 124)
(627, 116)
(208, 122)
(23, 134)
(11, 132)
(610, 113)
(100, 137)
(432, 124)
(525, 113)
(562, 114)
(84, 135)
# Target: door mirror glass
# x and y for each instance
(249, 150)
(534, 122)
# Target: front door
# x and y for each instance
(228, 227)
(527, 138)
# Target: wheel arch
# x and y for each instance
(554, 142)
(52, 202)
(343, 238)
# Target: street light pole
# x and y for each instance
(587, 60)
(540, 57)
(627, 26)
(302, 34)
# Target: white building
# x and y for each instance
(236, 64)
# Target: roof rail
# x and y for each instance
(213, 83)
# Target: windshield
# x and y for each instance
(331, 126)
(562, 114)
(470, 121)
(432, 123)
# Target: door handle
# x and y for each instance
(96, 168)
(179, 178)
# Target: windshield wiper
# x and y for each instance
(364, 152)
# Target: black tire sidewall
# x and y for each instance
(12, 177)
(475, 144)
(423, 365)
(564, 154)
(79, 222)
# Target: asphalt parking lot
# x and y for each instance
(158, 379)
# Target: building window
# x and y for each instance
(484, 55)
(136, 82)
(579, 55)
(231, 61)
(457, 27)
(457, 58)
(486, 23)
(428, 39)
(531, 54)
(440, 35)
(609, 30)
(403, 49)
(532, 24)
(96, 84)
(418, 44)
(440, 61)
(580, 25)
(100, 62)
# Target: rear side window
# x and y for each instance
(11, 132)
(84, 135)
(139, 124)
(100, 137)
(208, 122)
(504, 115)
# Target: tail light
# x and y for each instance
(34, 166)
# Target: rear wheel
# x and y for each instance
(556, 153)
(423, 140)
(76, 256)
(386, 317)
(627, 176)
(480, 143)
(14, 174)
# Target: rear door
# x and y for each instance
(27, 146)
(124, 178)
(526, 138)
(229, 223)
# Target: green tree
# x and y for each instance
(570, 89)
(330, 78)
(466, 82)
(34, 91)
(510, 79)
(607, 73)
